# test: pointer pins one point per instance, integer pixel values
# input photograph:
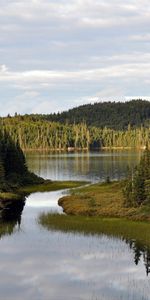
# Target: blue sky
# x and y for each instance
(59, 54)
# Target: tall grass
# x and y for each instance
(115, 227)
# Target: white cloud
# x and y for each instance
(141, 38)
(3, 69)
(97, 13)
(73, 50)
(45, 77)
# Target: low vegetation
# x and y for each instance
(10, 196)
(48, 186)
(125, 229)
(105, 200)
(135, 234)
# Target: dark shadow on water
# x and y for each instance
(10, 216)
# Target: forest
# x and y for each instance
(13, 168)
(113, 115)
(31, 132)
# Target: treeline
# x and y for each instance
(13, 169)
(114, 115)
(30, 132)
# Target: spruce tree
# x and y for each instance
(138, 191)
(137, 187)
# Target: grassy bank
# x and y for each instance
(125, 229)
(49, 186)
(10, 196)
(105, 200)
(46, 186)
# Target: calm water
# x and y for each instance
(93, 166)
(38, 264)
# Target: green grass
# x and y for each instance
(114, 227)
(46, 186)
(10, 196)
(49, 186)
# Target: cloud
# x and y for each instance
(43, 77)
(69, 51)
(102, 12)
(141, 38)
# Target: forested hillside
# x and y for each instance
(33, 133)
(114, 115)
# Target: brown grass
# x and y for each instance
(102, 200)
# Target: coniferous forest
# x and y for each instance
(113, 115)
(35, 132)
(13, 169)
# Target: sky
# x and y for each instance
(55, 55)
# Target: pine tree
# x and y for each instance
(138, 191)
(137, 187)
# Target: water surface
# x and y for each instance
(93, 166)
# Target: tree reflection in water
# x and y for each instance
(10, 216)
(141, 252)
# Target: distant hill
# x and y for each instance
(115, 115)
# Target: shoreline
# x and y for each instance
(46, 186)
(81, 149)
(102, 200)
(124, 229)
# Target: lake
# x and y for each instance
(38, 264)
(90, 166)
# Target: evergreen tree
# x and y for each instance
(40, 134)
(13, 169)
(138, 191)
(137, 187)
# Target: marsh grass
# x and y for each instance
(46, 186)
(113, 227)
(102, 199)
(49, 186)
(10, 196)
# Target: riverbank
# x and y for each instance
(114, 227)
(49, 186)
(46, 186)
(103, 200)
(99, 209)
